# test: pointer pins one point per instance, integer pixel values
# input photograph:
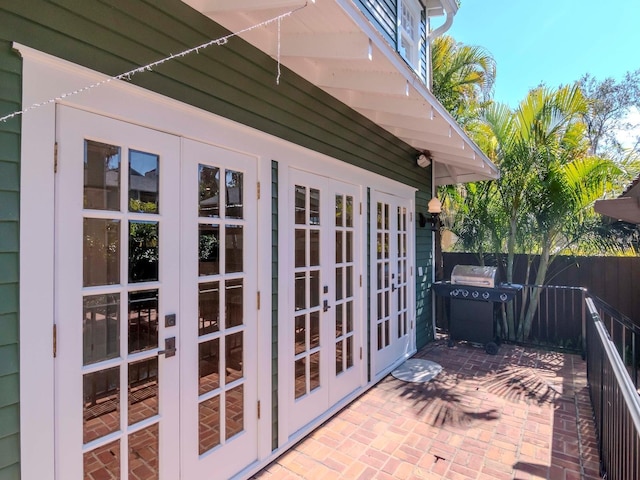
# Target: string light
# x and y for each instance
(149, 67)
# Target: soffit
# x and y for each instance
(331, 44)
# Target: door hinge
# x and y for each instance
(360, 208)
(55, 157)
(55, 340)
(258, 190)
(360, 280)
(258, 300)
(411, 272)
(258, 409)
(411, 216)
(360, 353)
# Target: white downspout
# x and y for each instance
(450, 9)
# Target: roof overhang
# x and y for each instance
(333, 45)
(626, 209)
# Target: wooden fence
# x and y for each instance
(616, 280)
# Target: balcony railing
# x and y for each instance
(569, 319)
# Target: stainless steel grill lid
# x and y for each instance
(474, 275)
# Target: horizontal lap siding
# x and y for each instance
(424, 259)
(236, 80)
(383, 14)
(10, 95)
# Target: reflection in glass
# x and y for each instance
(300, 334)
(314, 248)
(339, 367)
(339, 247)
(209, 366)
(314, 288)
(234, 181)
(101, 252)
(143, 251)
(314, 206)
(103, 462)
(349, 247)
(339, 293)
(349, 317)
(300, 377)
(234, 248)
(379, 216)
(339, 322)
(349, 211)
(314, 329)
(143, 454)
(234, 315)
(143, 320)
(143, 182)
(143, 390)
(349, 352)
(300, 248)
(208, 308)
(209, 191)
(301, 205)
(209, 424)
(209, 250)
(234, 418)
(314, 371)
(300, 291)
(100, 328)
(379, 246)
(101, 176)
(349, 282)
(386, 216)
(380, 339)
(234, 353)
(101, 403)
(339, 210)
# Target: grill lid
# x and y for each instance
(474, 275)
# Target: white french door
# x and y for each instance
(219, 298)
(324, 324)
(155, 376)
(392, 279)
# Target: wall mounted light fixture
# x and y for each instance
(434, 207)
(424, 159)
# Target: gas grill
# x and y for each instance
(475, 296)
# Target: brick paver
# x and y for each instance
(515, 415)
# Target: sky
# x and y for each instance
(550, 41)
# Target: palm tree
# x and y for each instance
(541, 203)
(463, 76)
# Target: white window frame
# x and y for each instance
(410, 35)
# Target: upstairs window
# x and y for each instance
(409, 30)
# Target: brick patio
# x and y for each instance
(521, 414)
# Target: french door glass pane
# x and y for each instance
(101, 176)
(143, 453)
(209, 250)
(143, 390)
(234, 184)
(100, 328)
(209, 424)
(208, 308)
(143, 320)
(209, 191)
(144, 173)
(143, 251)
(101, 400)
(234, 411)
(209, 366)
(234, 242)
(101, 252)
(103, 462)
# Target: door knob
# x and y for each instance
(325, 306)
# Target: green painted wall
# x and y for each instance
(274, 303)
(10, 97)
(236, 81)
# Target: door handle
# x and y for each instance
(325, 305)
(169, 347)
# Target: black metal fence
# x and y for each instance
(615, 400)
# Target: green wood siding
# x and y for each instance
(10, 95)
(274, 304)
(424, 259)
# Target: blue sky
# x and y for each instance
(551, 41)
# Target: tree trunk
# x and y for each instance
(524, 329)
